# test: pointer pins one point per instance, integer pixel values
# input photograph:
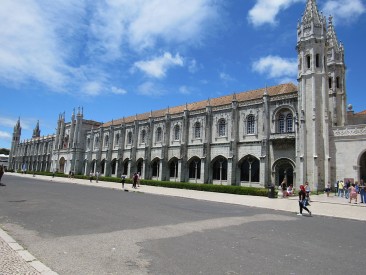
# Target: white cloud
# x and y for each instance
(187, 23)
(5, 135)
(158, 66)
(92, 88)
(185, 90)
(265, 11)
(118, 91)
(344, 10)
(28, 45)
(7, 122)
(225, 77)
(192, 66)
(43, 42)
(276, 67)
(140, 23)
(24, 122)
(150, 89)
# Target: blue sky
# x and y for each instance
(116, 58)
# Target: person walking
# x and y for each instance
(303, 201)
(91, 176)
(96, 176)
(123, 180)
(363, 191)
(284, 188)
(346, 189)
(340, 189)
(2, 171)
(134, 180)
(352, 193)
(307, 190)
(336, 188)
(327, 190)
(138, 179)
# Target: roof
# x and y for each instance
(361, 113)
(282, 89)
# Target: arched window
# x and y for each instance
(102, 165)
(116, 140)
(195, 168)
(197, 130)
(125, 168)
(289, 123)
(249, 169)
(285, 122)
(281, 123)
(222, 127)
(96, 142)
(113, 166)
(330, 82)
(106, 141)
(88, 143)
(250, 124)
(308, 61)
(173, 169)
(155, 168)
(129, 138)
(66, 141)
(143, 136)
(176, 132)
(219, 169)
(159, 135)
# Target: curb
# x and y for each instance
(25, 255)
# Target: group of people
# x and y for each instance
(288, 191)
(136, 178)
(91, 176)
(350, 190)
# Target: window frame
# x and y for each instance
(221, 125)
(250, 124)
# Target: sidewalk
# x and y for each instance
(321, 205)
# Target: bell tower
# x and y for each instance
(312, 158)
(336, 77)
(14, 143)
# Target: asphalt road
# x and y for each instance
(76, 229)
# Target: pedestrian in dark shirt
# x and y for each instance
(123, 180)
(303, 200)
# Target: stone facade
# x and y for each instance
(253, 138)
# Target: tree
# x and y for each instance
(4, 151)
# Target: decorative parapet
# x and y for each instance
(358, 130)
(279, 136)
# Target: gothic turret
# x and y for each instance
(313, 150)
(336, 77)
(36, 131)
(14, 143)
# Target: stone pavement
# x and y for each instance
(16, 260)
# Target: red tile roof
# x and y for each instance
(219, 101)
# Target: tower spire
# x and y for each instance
(331, 35)
(36, 131)
(311, 13)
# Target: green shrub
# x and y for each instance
(239, 190)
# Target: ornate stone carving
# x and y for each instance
(356, 131)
